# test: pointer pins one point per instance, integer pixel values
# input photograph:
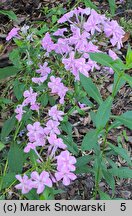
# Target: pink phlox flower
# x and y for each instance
(60, 32)
(65, 161)
(86, 11)
(47, 43)
(62, 46)
(93, 65)
(66, 176)
(81, 105)
(69, 62)
(30, 96)
(82, 67)
(39, 80)
(56, 114)
(43, 69)
(112, 54)
(62, 92)
(66, 17)
(112, 29)
(19, 111)
(25, 184)
(90, 47)
(57, 88)
(117, 40)
(36, 133)
(93, 23)
(54, 84)
(29, 147)
(35, 106)
(56, 142)
(12, 33)
(79, 39)
(52, 127)
(40, 181)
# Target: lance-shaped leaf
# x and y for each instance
(91, 88)
(90, 140)
(103, 113)
(125, 118)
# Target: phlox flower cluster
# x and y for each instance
(73, 45)
(30, 99)
(86, 26)
(39, 136)
(57, 87)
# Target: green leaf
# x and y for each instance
(115, 124)
(15, 158)
(112, 5)
(54, 18)
(48, 194)
(7, 180)
(67, 127)
(32, 195)
(90, 140)
(14, 57)
(90, 88)
(128, 79)
(125, 118)
(89, 3)
(129, 56)
(81, 161)
(44, 100)
(117, 85)
(86, 101)
(5, 101)
(109, 179)
(10, 14)
(101, 58)
(42, 30)
(93, 117)
(122, 172)
(71, 145)
(8, 126)
(1, 146)
(104, 196)
(122, 152)
(18, 89)
(84, 169)
(103, 113)
(7, 72)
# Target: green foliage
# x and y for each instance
(16, 158)
(18, 89)
(10, 14)
(125, 118)
(67, 127)
(112, 5)
(103, 113)
(83, 160)
(8, 71)
(7, 180)
(89, 3)
(90, 88)
(1, 146)
(32, 195)
(90, 140)
(8, 126)
(104, 196)
(71, 145)
(122, 172)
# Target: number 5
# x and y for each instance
(123, 207)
